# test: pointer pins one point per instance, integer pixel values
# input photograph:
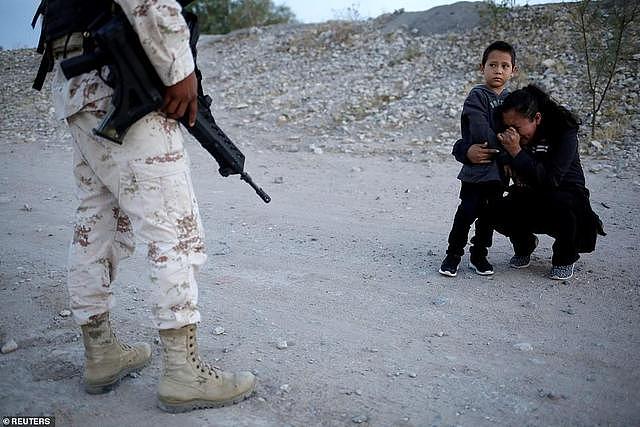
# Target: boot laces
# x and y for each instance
(206, 368)
(203, 366)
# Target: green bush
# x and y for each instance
(223, 16)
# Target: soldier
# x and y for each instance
(139, 189)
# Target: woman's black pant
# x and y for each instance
(475, 199)
(555, 212)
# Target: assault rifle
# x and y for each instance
(138, 91)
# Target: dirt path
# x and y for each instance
(343, 266)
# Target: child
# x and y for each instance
(482, 179)
(551, 198)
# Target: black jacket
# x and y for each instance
(552, 163)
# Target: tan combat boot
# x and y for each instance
(106, 359)
(189, 383)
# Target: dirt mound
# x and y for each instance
(458, 17)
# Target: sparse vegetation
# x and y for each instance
(496, 11)
(603, 37)
(351, 13)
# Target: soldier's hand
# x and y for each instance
(480, 153)
(181, 99)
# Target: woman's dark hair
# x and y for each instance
(531, 100)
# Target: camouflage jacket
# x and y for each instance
(164, 35)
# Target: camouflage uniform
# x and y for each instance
(141, 188)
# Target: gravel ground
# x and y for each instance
(342, 265)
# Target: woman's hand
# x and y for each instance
(510, 140)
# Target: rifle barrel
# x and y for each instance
(263, 195)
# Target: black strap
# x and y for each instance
(46, 65)
(41, 43)
(39, 11)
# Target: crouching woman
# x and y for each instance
(549, 195)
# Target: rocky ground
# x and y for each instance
(330, 294)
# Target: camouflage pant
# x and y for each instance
(139, 189)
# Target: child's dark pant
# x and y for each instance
(475, 199)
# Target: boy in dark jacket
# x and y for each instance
(482, 178)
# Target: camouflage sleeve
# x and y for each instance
(164, 35)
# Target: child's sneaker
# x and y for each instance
(449, 266)
(522, 261)
(561, 272)
(481, 265)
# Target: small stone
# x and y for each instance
(413, 375)
(65, 313)
(285, 388)
(315, 149)
(219, 330)
(9, 346)
(523, 346)
(440, 301)
(282, 344)
(551, 395)
(359, 419)
(282, 119)
(597, 144)
(134, 374)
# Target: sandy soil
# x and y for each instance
(343, 266)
